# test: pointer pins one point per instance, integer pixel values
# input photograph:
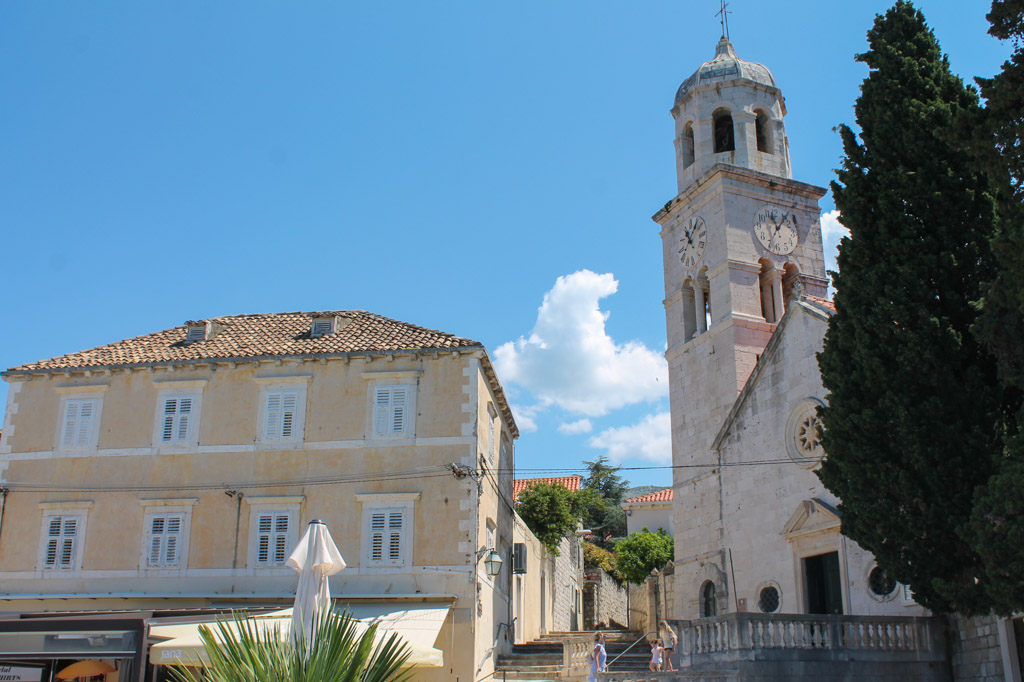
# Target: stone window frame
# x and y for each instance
(778, 590)
(802, 411)
(157, 507)
(880, 598)
(72, 508)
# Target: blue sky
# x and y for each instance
(484, 168)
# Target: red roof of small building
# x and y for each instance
(569, 482)
(657, 496)
(829, 305)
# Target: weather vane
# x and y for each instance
(724, 14)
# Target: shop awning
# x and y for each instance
(417, 624)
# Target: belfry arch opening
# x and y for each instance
(687, 147)
(762, 127)
(790, 283)
(725, 137)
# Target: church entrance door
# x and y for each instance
(823, 583)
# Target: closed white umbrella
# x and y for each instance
(315, 558)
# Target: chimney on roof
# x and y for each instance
(327, 323)
(195, 331)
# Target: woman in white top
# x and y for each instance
(668, 637)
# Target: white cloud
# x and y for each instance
(832, 231)
(570, 361)
(650, 439)
(576, 427)
(524, 417)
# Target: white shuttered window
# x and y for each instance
(176, 424)
(387, 537)
(280, 415)
(79, 421)
(61, 542)
(272, 537)
(165, 540)
(391, 411)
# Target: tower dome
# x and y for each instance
(724, 66)
(729, 112)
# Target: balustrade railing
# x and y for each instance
(746, 631)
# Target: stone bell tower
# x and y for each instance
(740, 240)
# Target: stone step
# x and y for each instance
(517, 659)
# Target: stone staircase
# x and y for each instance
(541, 660)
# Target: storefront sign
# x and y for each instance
(13, 673)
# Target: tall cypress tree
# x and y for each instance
(913, 423)
(999, 506)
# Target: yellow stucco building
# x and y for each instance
(177, 470)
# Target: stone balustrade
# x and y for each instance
(802, 647)
(743, 631)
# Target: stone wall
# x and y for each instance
(976, 651)
(605, 602)
(567, 586)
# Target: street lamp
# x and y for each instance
(493, 561)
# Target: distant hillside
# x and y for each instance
(638, 490)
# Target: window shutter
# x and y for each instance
(399, 398)
(61, 535)
(85, 411)
(170, 409)
(519, 557)
(52, 542)
(395, 528)
(280, 538)
(70, 422)
(171, 541)
(272, 538)
(377, 537)
(184, 414)
(382, 410)
(266, 524)
(288, 401)
(273, 418)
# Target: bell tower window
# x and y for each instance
(764, 135)
(687, 148)
(724, 134)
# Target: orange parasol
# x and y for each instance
(85, 669)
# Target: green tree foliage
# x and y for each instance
(595, 556)
(998, 522)
(552, 512)
(642, 552)
(604, 516)
(913, 421)
(239, 651)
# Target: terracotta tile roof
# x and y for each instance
(828, 305)
(657, 496)
(521, 484)
(263, 335)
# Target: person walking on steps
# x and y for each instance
(668, 636)
(598, 656)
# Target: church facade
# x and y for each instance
(745, 288)
(764, 582)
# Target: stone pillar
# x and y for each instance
(767, 306)
(777, 295)
(699, 309)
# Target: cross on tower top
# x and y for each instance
(724, 14)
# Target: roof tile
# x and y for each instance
(261, 335)
(657, 496)
(521, 484)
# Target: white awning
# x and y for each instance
(416, 624)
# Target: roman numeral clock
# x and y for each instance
(693, 240)
(776, 230)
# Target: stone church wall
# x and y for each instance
(567, 587)
(763, 489)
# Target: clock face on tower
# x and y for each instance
(691, 244)
(775, 229)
